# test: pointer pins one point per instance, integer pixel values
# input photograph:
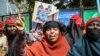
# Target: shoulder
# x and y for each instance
(34, 48)
(4, 37)
(36, 44)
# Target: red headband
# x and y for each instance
(10, 21)
(1, 25)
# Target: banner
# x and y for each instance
(87, 14)
(64, 16)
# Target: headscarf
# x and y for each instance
(92, 20)
(53, 24)
(92, 34)
(43, 48)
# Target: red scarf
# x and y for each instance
(43, 48)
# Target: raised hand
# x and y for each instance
(20, 24)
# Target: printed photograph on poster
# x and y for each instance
(42, 11)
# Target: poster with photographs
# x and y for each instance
(42, 12)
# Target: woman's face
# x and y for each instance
(11, 29)
(93, 30)
(52, 34)
(94, 25)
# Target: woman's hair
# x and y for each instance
(53, 24)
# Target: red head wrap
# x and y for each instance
(10, 21)
(1, 25)
(91, 20)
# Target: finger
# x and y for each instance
(20, 17)
(21, 20)
(19, 25)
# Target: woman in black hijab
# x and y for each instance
(89, 44)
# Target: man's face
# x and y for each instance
(52, 34)
(11, 29)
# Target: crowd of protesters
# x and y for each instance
(53, 38)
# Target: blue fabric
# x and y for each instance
(84, 47)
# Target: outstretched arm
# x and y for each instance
(20, 41)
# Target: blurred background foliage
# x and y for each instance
(28, 5)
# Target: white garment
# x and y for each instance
(3, 41)
(3, 45)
